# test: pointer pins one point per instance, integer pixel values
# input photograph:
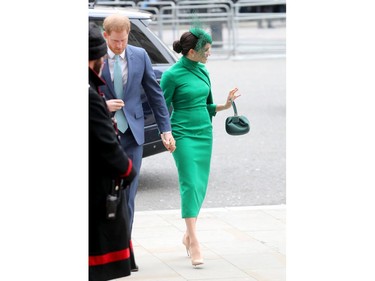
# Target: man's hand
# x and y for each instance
(168, 141)
(115, 104)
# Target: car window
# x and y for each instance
(139, 39)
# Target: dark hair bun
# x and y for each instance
(177, 46)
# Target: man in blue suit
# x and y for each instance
(127, 70)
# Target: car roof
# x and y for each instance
(131, 13)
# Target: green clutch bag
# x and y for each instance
(237, 125)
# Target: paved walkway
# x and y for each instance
(238, 244)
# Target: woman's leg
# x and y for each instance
(192, 239)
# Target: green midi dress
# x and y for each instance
(186, 86)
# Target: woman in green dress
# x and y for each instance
(187, 87)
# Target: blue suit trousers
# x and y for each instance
(134, 152)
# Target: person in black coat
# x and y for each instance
(110, 170)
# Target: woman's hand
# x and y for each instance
(231, 97)
(114, 104)
(168, 141)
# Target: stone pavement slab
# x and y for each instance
(237, 243)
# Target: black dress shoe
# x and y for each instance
(135, 269)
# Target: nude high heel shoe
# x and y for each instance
(195, 254)
(186, 242)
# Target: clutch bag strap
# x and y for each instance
(234, 108)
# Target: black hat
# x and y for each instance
(97, 44)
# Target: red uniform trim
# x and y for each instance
(109, 257)
(130, 167)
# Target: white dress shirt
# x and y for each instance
(123, 64)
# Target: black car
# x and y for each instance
(160, 55)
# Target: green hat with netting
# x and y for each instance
(203, 38)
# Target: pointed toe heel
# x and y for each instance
(186, 243)
(197, 262)
(195, 255)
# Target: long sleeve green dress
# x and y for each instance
(187, 87)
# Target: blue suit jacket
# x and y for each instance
(141, 77)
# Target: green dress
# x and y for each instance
(187, 87)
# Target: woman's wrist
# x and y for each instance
(228, 105)
(223, 107)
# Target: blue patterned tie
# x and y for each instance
(122, 124)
